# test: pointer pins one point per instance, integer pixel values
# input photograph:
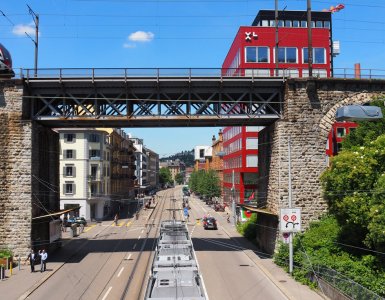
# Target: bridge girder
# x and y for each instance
(153, 102)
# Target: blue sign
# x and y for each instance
(185, 211)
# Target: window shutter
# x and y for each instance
(64, 172)
(73, 171)
(64, 189)
(74, 154)
(73, 189)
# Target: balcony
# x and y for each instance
(95, 178)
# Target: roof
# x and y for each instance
(300, 15)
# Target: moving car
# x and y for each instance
(210, 223)
(5, 63)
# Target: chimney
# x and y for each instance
(213, 139)
(220, 135)
(357, 71)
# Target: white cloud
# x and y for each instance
(141, 36)
(129, 45)
(21, 29)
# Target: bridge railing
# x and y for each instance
(62, 73)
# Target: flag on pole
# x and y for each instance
(251, 196)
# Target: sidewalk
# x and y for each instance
(22, 282)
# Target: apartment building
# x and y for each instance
(85, 172)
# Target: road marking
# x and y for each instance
(142, 230)
(89, 228)
(129, 223)
(108, 291)
(128, 257)
(134, 246)
(139, 237)
(120, 272)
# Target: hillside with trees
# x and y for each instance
(187, 157)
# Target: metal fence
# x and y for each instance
(345, 73)
(345, 285)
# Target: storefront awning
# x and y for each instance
(65, 211)
(257, 210)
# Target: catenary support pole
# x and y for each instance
(290, 205)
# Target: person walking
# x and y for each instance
(43, 259)
(32, 258)
(116, 220)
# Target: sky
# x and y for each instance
(169, 34)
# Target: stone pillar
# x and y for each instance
(15, 170)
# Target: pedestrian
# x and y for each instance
(65, 223)
(32, 258)
(43, 259)
(116, 220)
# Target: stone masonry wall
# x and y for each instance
(15, 170)
(309, 112)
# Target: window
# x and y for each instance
(327, 24)
(257, 54)
(94, 171)
(287, 55)
(287, 23)
(69, 188)
(69, 154)
(319, 55)
(341, 132)
(94, 138)
(265, 23)
(296, 23)
(251, 143)
(280, 23)
(69, 137)
(304, 24)
(94, 154)
(316, 72)
(254, 128)
(250, 178)
(69, 171)
(318, 24)
(201, 153)
(251, 161)
(257, 72)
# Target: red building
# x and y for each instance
(240, 163)
(336, 136)
(253, 51)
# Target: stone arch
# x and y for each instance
(329, 118)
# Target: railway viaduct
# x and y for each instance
(303, 109)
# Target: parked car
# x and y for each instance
(219, 207)
(210, 223)
(76, 220)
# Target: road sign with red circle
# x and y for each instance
(290, 220)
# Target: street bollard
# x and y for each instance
(1, 273)
(19, 263)
(10, 269)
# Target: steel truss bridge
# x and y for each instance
(150, 98)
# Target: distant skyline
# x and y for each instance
(172, 34)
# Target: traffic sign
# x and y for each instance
(286, 236)
(290, 220)
(185, 211)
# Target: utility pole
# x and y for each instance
(35, 18)
(309, 37)
(276, 37)
(290, 205)
(233, 198)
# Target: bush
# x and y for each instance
(5, 253)
(319, 249)
(249, 228)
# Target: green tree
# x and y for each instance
(165, 176)
(179, 178)
(205, 183)
(354, 187)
